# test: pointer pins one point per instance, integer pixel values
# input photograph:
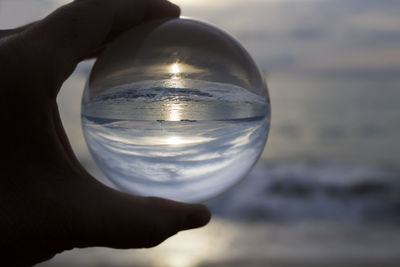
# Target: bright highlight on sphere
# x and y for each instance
(176, 109)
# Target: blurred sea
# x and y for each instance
(326, 191)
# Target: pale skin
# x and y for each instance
(48, 202)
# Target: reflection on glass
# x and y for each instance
(174, 112)
(175, 140)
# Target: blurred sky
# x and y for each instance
(332, 66)
(311, 35)
(285, 35)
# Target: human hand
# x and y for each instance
(48, 202)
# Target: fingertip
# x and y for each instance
(183, 216)
(198, 218)
(164, 9)
(174, 9)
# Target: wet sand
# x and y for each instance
(224, 243)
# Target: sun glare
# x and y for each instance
(175, 112)
(175, 69)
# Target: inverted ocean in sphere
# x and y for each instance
(175, 109)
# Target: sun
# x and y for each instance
(175, 69)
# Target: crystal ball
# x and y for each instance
(176, 109)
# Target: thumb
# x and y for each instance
(110, 218)
(52, 47)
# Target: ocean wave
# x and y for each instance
(292, 192)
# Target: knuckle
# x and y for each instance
(21, 57)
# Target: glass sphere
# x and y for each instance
(176, 109)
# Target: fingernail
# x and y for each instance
(197, 219)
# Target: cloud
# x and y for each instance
(286, 35)
(376, 38)
(348, 34)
